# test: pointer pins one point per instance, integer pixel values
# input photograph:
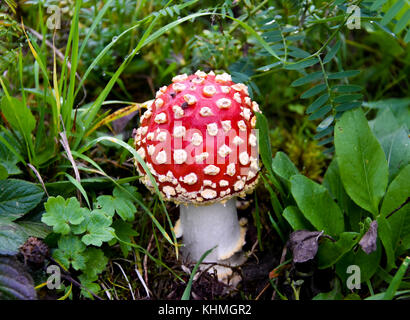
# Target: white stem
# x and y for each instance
(204, 227)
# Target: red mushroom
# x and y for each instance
(199, 141)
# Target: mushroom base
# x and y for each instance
(206, 227)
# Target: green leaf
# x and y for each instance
(119, 203)
(70, 252)
(316, 205)
(296, 219)
(264, 143)
(96, 227)
(400, 225)
(18, 115)
(335, 294)
(343, 74)
(96, 262)
(325, 123)
(8, 159)
(125, 233)
(347, 98)
(397, 192)
(307, 79)
(334, 185)
(320, 113)
(318, 103)
(368, 263)
(392, 12)
(348, 106)
(397, 279)
(11, 237)
(402, 23)
(283, 166)
(17, 197)
(362, 164)
(302, 64)
(313, 91)
(332, 52)
(344, 88)
(62, 214)
(330, 252)
(15, 282)
(384, 232)
(89, 284)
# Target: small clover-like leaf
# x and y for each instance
(120, 202)
(61, 214)
(124, 232)
(89, 285)
(96, 262)
(70, 252)
(97, 228)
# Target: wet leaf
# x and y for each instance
(369, 240)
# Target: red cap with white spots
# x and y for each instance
(198, 139)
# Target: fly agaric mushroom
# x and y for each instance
(199, 141)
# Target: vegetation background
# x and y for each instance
(335, 146)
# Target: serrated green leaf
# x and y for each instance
(70, 252)
(307, 79)
(89, 284)
(362, 164)
(332, 52)
(96, 227)
(317, 205)
(96, 262)
(313, 91)
(18, 197)
(343, 74)
(62, 214)
(318, 103)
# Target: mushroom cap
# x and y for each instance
(198, 139)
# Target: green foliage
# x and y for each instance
(62, 214)
(334, 170)
(84, 231)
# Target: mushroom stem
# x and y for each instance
(204, 227)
